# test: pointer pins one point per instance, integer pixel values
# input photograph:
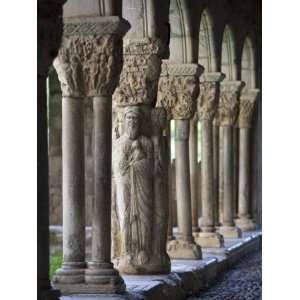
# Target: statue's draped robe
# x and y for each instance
(133, 167)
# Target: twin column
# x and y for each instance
(182, 80)
(207, 107)
(227, 113)
(88, 65)
(247, 103)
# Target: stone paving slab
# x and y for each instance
(187, 277)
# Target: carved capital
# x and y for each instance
(90, 58)
(50, 27)
(140, 73)
(247, 104)
(207, 103)
(178, 89)
(228, 105)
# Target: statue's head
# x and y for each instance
(132, 122)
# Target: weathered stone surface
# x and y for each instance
(181, 249)
(209, 239)
(137, 167)
(178, 89)
(140, 73)
(230, 232)
(187, 277)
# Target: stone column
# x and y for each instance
(48, 40)
(88, 65)
(193, 154)
(72, 270)
(216, 168)
(221, 174)
(101, 276)
(139, 169)
(228, 109)
(247, 103)
(170, 182)
(207, 106)
(177, 93)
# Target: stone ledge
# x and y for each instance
(187, 277)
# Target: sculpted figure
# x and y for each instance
(133, 175)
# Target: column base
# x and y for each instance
(105, 277)
(69, 273)
(182, 249)
(245, 224)
(209, 240)
(48, 294)
(230, 232)
(156, 264)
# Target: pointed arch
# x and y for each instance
(206, 49)
(228, 62)
(248, 63)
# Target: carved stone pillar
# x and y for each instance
(139, 171)
(88, 65)
(48, 40)
(177, 93)
(193, 154)
(228, 109)
(247, 103)
(207, 107)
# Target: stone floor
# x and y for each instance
(242, 282)
(193, 277)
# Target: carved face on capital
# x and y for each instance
(132, 123)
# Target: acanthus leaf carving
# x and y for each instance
(228, 105)
(89, 66)
(247, 105)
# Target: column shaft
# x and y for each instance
(221, 175)
(168, 158)
(207, 177)
(183, 192)
(244, 178)
(244, 221)
(216, 172)
(235, 169)
(73, 182)
(101, 239)
(228, 176)
(193, 156)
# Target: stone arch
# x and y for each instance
(180, 40)
(228, 57)
(206, 49)
(248, 63)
